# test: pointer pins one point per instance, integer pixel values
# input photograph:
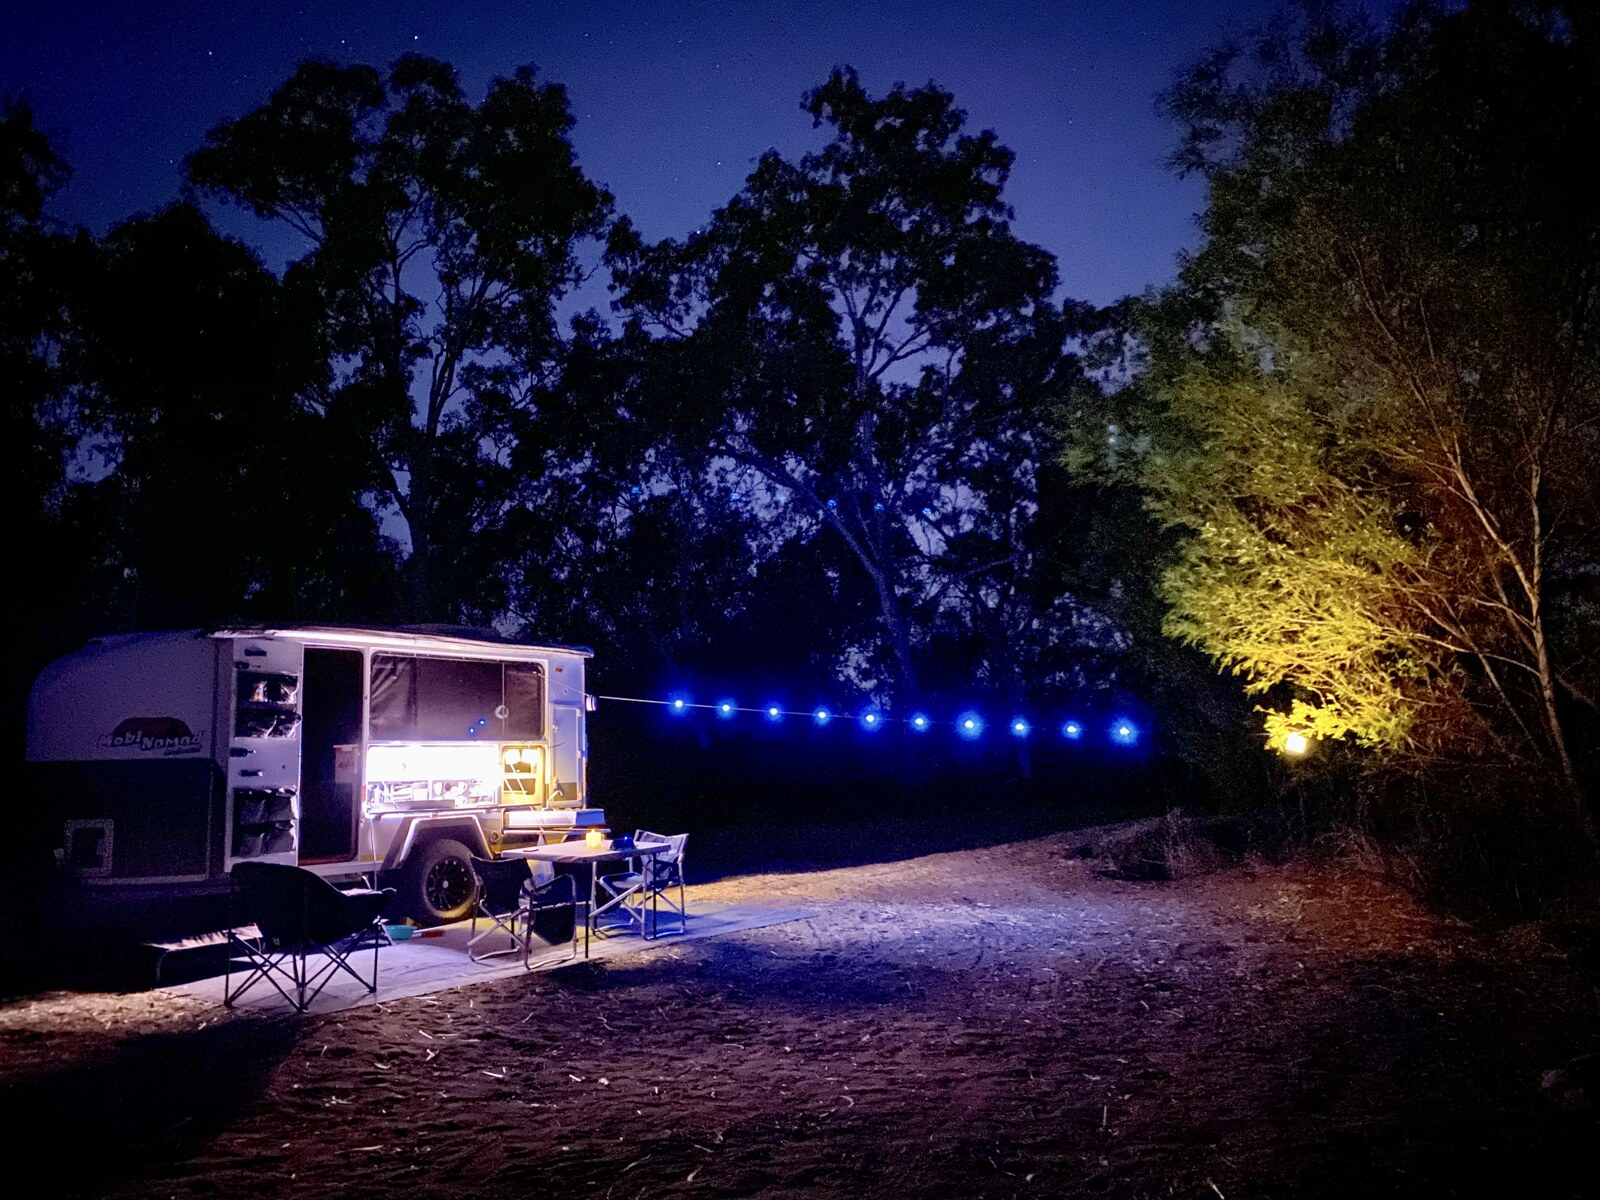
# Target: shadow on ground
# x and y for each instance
(141, 1102)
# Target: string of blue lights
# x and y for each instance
(970, 725)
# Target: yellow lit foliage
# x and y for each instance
(1288, 575)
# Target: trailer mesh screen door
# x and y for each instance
(451, 699)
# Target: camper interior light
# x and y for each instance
(521, 760)
(432, 776)
(522, 771)
(401, 764)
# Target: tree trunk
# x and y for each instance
(899, 634)
(1547, 678)
(894, 620)
(422, 567)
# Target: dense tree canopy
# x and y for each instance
(860, 339)
(37, 263)
(851, 431)
(814, 439)
(193, 364)
(440, 236)
(1370, 405)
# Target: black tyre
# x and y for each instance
(437, 884)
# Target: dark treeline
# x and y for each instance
(809, 449)
(850, 440)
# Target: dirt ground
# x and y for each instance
(999, 1022)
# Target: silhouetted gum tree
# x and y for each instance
(39, 267)
(861, 330)
(440, 235)
(167, 468)
(657, 559)
(217, 493)
(33, 308)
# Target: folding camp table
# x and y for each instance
(578, 853)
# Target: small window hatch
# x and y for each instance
(88, 847)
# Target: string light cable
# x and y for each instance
(969, 725)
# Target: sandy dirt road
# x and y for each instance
(998, 1022)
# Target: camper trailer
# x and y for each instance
(166, 758)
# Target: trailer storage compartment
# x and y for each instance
(135, 821)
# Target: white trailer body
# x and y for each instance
(167, 758)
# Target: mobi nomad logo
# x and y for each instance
(152, 735)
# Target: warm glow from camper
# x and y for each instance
(402, 764)
(521, 773)
(435, 777)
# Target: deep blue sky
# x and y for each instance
(673, 100)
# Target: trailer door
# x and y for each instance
(567, 753)
(330, 740)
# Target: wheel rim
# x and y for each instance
(448, 886)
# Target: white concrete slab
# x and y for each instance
(434, 963)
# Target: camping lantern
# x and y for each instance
(593, 840)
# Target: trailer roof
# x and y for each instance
(461, 636)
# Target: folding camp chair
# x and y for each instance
(289, 915)
(514, 904)
(641, 891)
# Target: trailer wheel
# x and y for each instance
(437, 884)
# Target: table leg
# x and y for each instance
(655, 915)
(588, 924)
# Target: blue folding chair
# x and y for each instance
(513, 903)
(642, 891)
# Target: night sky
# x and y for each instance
(673, 100)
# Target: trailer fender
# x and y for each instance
(466, 828)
